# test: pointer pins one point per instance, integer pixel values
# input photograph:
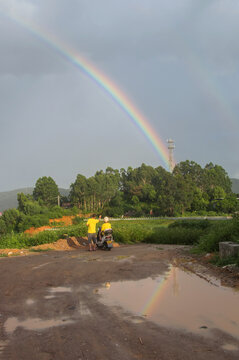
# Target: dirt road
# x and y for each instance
(52, 307)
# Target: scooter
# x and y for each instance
(105, 241)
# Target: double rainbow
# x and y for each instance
(101, 80)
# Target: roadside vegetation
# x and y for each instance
(141, 192)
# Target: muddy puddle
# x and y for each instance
(33, 324)
(178, 299)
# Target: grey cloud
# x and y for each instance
(176, 60)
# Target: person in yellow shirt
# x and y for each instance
(91, 223)
(106, 225)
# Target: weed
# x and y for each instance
(231, 260)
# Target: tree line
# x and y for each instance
(154, 191)
(141, 191)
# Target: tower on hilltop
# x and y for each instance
(171, 147)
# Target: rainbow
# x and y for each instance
(101, 80)
(154, 298)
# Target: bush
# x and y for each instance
(77, 221)
(44, 237)
(130, 233)
(156, 232)
(11, 219)
(27, 221)
(216, 260)
(22, 240)
(191, 224)
(11, 241)
(221, 231)
(177, 236)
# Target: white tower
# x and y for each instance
(171, 147)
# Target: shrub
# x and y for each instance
(216, 260)
(154, 232)
(178, 236)
(11, 219)
(27, 221)
(77, 221)
(191, 224)
(221, 231)
(10, 241)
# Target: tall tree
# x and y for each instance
(78, 191)
(46, 191)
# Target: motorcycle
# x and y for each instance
(105, 241)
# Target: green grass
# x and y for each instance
(219, 231)
(19, 241)
(231, 260)
(203, 234)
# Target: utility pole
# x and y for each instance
(171, 147)
(58, 200)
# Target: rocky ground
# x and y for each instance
(51, 308)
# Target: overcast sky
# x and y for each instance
(177, 60)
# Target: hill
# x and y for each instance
(235, 185)
(8, 199)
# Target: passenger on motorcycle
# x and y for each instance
(105, 226)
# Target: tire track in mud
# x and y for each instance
(5, 353)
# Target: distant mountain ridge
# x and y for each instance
(8, 199)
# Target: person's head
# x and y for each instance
(106, 219)
(94, 216)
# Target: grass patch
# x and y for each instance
(220, 231)
(231, 260)
(177, 236)
(191, 224)
(204, 234)
(18, 241)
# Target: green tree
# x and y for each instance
(46, 191)
(27, 205)
(78, 192)
(190, 171)
(3, 227)
(215, 175)
(199, 201)
(11, 219)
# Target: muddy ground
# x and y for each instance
(50, 307)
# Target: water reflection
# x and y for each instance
(178, 299)
(13, 323)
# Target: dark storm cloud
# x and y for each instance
(177, 60)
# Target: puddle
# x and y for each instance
(178, 299)
(60, 289)
(13, 323)
(230, 347)
(30, 301)
(3, 345)
(84, 310)
(49, 297)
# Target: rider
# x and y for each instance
(106, 225)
